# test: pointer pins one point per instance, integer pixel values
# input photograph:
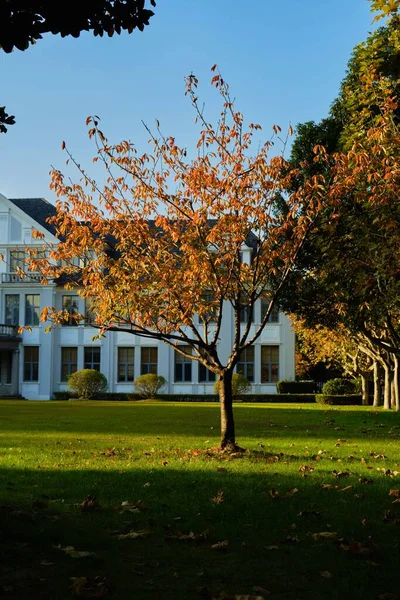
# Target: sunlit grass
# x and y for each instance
(59, 453)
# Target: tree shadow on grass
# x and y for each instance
(267, 517)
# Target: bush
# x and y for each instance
(87, 383)
(338, 400)
(287, 386)
(240, 385)
(270, 398)
(339, 387)
(149, 385)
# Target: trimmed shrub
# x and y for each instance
(287, 386)
(86, 383)
(149, 385)
(271, 398)
(339, 387)
(240, 385)
(339, 399)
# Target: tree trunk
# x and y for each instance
(387, 386)
(396, 383)
(225, 400)
(377, 384)
(364, 389)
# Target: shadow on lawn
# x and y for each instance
(269, 535)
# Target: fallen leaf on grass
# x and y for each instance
(365, 481)
(220, 545)
(389, 518)
(90, 587)
(355, 547)
(340, 473)
(70, 551)
(394, 493)
(305, 469)
(271, 547)
(46, 563)
(188, 537)
(222, 470)
(219, 498)
(326, 574)
(90, 503)
(324, 535)
(292, 539)
(133, 507)
(134, 535)
(345, 489)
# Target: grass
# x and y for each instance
(53, 455)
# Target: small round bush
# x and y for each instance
(149, 385)
(339, 387)
(87, 383)
(240, 385)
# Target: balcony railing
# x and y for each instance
(9, 331)
(15, 278)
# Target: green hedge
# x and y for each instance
(287, 386)
(344, 400)
(108, 396)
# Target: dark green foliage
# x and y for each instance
(23, 22)
(149, 385)
(87, 383)
(338, 400)
(240, 385)
(340, 387)
(5, 119)
(287, 386)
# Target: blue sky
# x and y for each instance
(283, 60)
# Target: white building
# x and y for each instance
(35, 364)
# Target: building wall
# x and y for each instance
(15, 232)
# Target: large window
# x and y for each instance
(90, 315)
(69, 362)
(126, 365)
(12, 309)
(70, 306)
(148, 360)
(31, 363)
(92, 357)
(205, 375)
(210, 315)
(245, 365)
(269, 364)
(32, 309)
(273, 315)
(17, 260)
(183, 365)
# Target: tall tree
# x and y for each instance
(166, 236)
(24, 22)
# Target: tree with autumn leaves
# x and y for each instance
(348, 274)
(160, 246)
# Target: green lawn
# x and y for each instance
(53, 455)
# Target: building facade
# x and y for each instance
(36, 363)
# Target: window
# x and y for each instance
(31, 363)
(90, 315)
(70, 306)
(245, 309)
(69, 362)
(32, 309)
(92, 358)
(269, 364)
(273, 315)
(183, 365)
(205, 375)
(126, 367)
(245, 365)
(12, 309)
(148, 362)
(17, 259)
